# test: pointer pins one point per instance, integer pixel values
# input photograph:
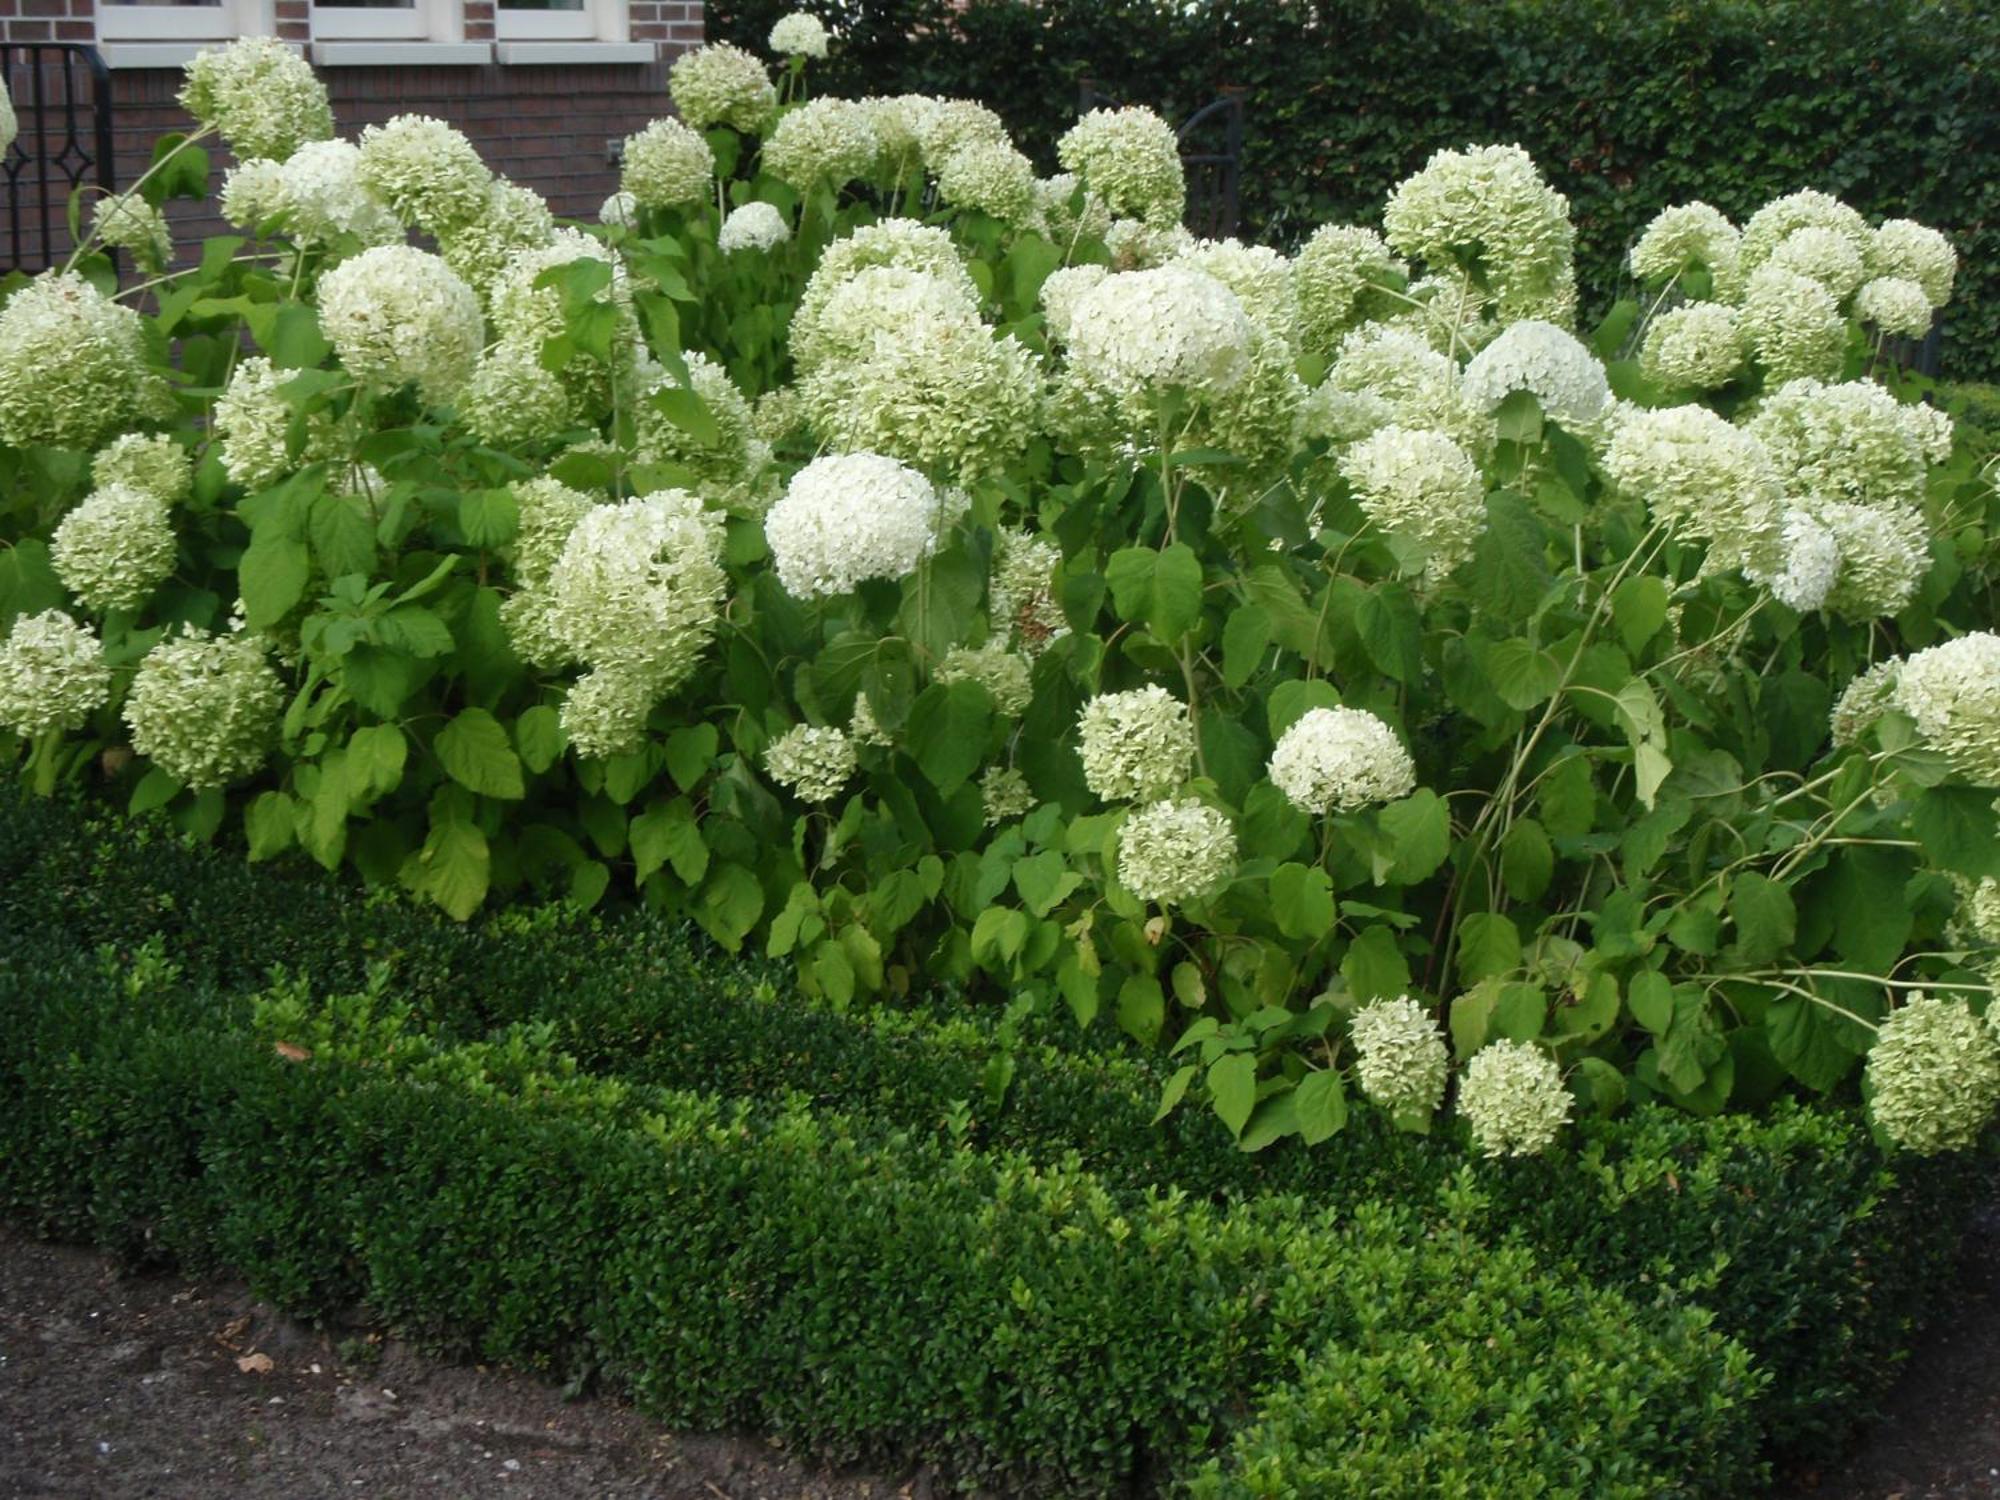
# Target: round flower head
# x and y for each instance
(847, 320)
(814, 762)
(1001, 672)
(511, 400)
(1387, 376)
(1171, 852)
(724, 464)
(516, 219)
(1906, 249)
(1698, 346)
(1131, 159)
(894, 244)
(150, 463)
(1021, 594)
(549, 511)
(426, 171)
(1143, 332)
(1342, 274)
(205, 709)
(1811, 563)
(990, 177)
(619, 211)
(253, 192)
(1896, 305)
(1709, 481)
(1060, 293)
(1549, 364)
(604, 711)
(1884, 553)
(125, 221)
(1793, 323)
(1261, 278)
(1853, 441)
(799, 34)
(1135, 745)
(1004, 794)
(322, 195)
(1400, 1056)
(53, 675)
(1953, 692)
(1069, 211)
(851, 517)
(722, 85)
(896, 122)
(1423, 486)
(754, 226)
(72, 364)
(1138, 246)
(945, 126)
(1828, 257)
(260, 95)
(668, 165)
(1487, 213)
(1340, 759)
(1863, 701)
(1513, 1097)
(114, 549)
(252, 422)
(530, 313)
(828, 142)
(1808, 208)
(1933, 1075)
(1686, 237)
(398, 316)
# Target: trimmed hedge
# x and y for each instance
(872, 1297)
(1892, 104)
(1811, 1248)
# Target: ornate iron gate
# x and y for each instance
(1212, 151)
(62, 97)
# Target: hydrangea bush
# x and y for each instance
(1341, 670)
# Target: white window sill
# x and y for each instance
(402, 54)
(521, 53)
(163, 54)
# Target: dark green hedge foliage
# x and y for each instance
(867, 1296)
(1810, 1247)
(1892, 104)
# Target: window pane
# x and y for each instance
(367, 4)
(166, 4)
(541, 4)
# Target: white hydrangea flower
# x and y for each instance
(1131, 159)
(1512, 1096)
(53, 675)
(1978, 915)
(1144, 332)
(1953, 692)
(1853, 441)
(253, 192)
(897, 134)
(427, 172)
(814, 762)
(1420, 485)
(864, 728)
(1698, 346)
(828, 142)
(1884, 553)
(251, 422)
(114, 549)
(1709, 480)
(1551, 365)
(1863, 701)
(531, 313)
(1175, 851)
(1896, 305)
(1262, 279)
(845, 321)
(1004, 794)
(1808, 208)
(1933, 1075)
(1811, 563)
(1136, 245)
(724, 467)
(548, 512)
(72, 364)
(850, 517)
(511, 400)
(722, 85)
(1906, 249)
(516, 219)
(1003, 673)
(620, 210)
(898, 244)
(322, 195)
(989, 177)
(1793, 323)
(1686, 236)
(260, 95)
(125, 221)
(667, 165)
(1400, 1056)
(1341, 274)
(753, 226)
(800, 34)
(1135, 745)
(1386, 376)
(1020, 591)
(9, 126)
(1070, 212)
(1488, 212)
(604, 711)
(1340, 759)
(205, 709)
(1060, 294)
(149, 462)
(1826, 255)
(398, 316)
(944, 126)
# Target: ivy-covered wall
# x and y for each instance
(1892, 104)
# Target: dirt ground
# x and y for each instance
(117, 1387)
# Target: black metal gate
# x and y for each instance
(1212, 152)
(62, 98)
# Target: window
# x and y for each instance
(181, 20)
(371, 20)
(560, 21)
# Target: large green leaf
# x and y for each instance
(475, 753)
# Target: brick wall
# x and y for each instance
(544, 125)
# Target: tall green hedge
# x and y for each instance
(1892, 104)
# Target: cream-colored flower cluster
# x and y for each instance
(114, 549)
(204, 708)
(260, 95)
(1135, 745)
(1423, 486)
(1340, 759)
(667, 165)
(72, 365)
(1952, 691)
(721, 84)
(754, 226)
(53, 675)
(397, 316)
(1173, 852)
(814, 762)
(799, 34)
(1538, 358)
(1933, 1075)
(1400, 1056)
(1003, 673)
(1345, 275)
(1487, 215)
(1131, 160)
(1513, 1097)
(847, 518)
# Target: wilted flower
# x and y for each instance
(53, 675)
(1020, 592)
(1934, 1075)
(1135, 745)
(205, 709)
(1512, 1096)
(1340, 759)
(1400, 1056)
(814, 762)
(1175, 851)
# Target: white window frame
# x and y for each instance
(184, 23)
(595, 21)
(373, 23)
